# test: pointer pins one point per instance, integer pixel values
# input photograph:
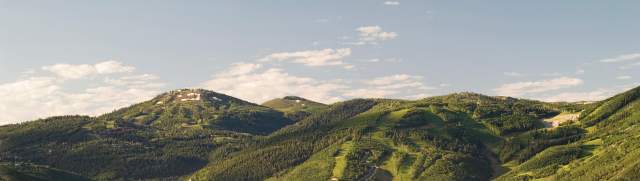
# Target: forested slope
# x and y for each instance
(608, 150)
(17, 172)
(454, 137)
(202, 135)
(167, 137)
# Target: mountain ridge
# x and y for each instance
(461, 136)
(291, 97)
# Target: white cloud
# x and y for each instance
(623, 77)
(522, 88)
(325, 57)
(349, 67)
(552, 74)
(631, 65)
(634, 58)
(388, 60)
(392, 86)
(392, 3)
(596, 95)
(328, 19)
(112, 66)
(396, 81)
(35, 96)
(28, 72)
(622, 58)
(145, 81)
(512, 74)
(71, 71)
(369, 93)
(372, 35)
(262, 85)
(241, 69)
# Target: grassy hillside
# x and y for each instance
(295, 108)
(198, 108)
(169, 136)
(608, 151)
(455, 137)
(19, 171)
(203, 135)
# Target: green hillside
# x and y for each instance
(169, 136)
(295, 108)
(456, 137)
(198, 108)
(18, 171)
(203, 135)
(609, 149)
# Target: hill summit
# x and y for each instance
(294, 107)
(199, 95)
(198, 108)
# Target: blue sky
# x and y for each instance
(81, 57)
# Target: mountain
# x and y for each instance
(168, 136)
(295, 108)
(196, 108)
(202, 135)
(440, 138)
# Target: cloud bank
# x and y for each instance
(106, 86)
(314, 58)
(372, 35)
(524, 88)
(257, 83)
(392, 3)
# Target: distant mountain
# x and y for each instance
(202, 135)
(295, 108)
(196, 108)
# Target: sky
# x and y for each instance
(91, 57)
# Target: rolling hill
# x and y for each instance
(295, 108)
(202, 135)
